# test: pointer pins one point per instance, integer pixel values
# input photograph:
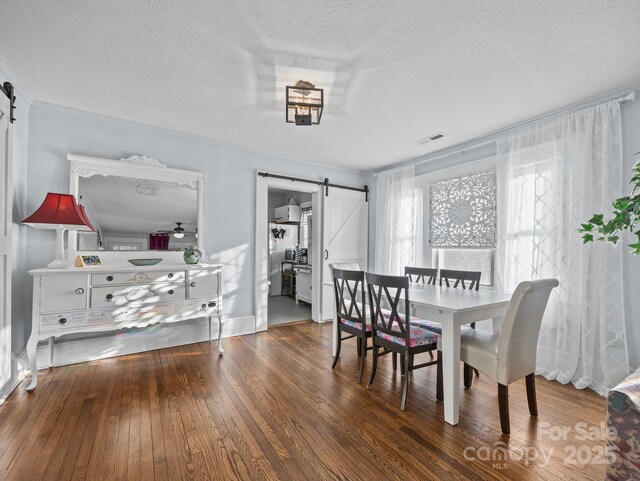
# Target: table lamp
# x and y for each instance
(60, 212)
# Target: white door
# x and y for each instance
(6, 193)
(344, 237)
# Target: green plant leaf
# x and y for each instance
(597, 219)
(587, 238)
(621, 203)
(625, 217)
(635, 247)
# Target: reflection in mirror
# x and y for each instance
(137, 214)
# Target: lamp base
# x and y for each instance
(59, 261)
(56, 264)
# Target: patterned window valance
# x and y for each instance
(463, 211)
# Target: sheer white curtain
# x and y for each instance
(552, 176)
(398, 221)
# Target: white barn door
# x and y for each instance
(6, 193)
(344, 237)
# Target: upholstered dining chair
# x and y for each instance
(510, 355)
(345, 266)
(392, 331)
(351, 313)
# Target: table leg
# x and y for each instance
(451, 369)
(497, 324)
(32, 345)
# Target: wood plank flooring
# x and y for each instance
(273, 409)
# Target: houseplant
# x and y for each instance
(626, 216)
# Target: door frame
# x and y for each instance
(5, 247)
(262, 239)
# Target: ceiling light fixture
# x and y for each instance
(178, 232)
(304, 103)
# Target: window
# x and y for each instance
(305, 220)
(462, 224)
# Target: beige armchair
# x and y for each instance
(510, 355)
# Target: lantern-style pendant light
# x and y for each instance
(304, 103)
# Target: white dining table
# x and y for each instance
(452, 308)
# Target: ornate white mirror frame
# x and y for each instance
(137, 167)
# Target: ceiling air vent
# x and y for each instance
(430, 138)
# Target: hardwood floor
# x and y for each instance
(272, 408)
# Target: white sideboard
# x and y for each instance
(92, 299)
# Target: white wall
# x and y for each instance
(229, 189)
(20, 132)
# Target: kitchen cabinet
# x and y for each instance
(288, 283)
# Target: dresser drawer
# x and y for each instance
(202, 284)
(73, 319)
(149, 294)
(63, 293)
(133, 277)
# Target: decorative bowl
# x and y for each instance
(145, 262)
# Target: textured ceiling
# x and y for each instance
(393, 71)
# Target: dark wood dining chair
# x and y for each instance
(393, 332)
(465, 280)
(421, 275)
(427, 276)
(351, 313)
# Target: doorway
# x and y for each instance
(280, 297)
(290, 264)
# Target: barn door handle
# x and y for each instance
(326, 255)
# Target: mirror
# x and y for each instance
(136, 204)
(128, 213)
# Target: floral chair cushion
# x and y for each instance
(416, 321)
(354, 324)
(424, 324)
(418, 337)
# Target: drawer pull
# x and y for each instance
(62, 320)
(170, 275)
(109, 278)
(171, 291)
(79, 291)
(212, 304)
(109, 297)
(194, 284)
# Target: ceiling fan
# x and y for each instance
(178, 232)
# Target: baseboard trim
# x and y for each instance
(19, 370)
(121, 343)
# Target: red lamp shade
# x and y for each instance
(59, 211)
(85, 218)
